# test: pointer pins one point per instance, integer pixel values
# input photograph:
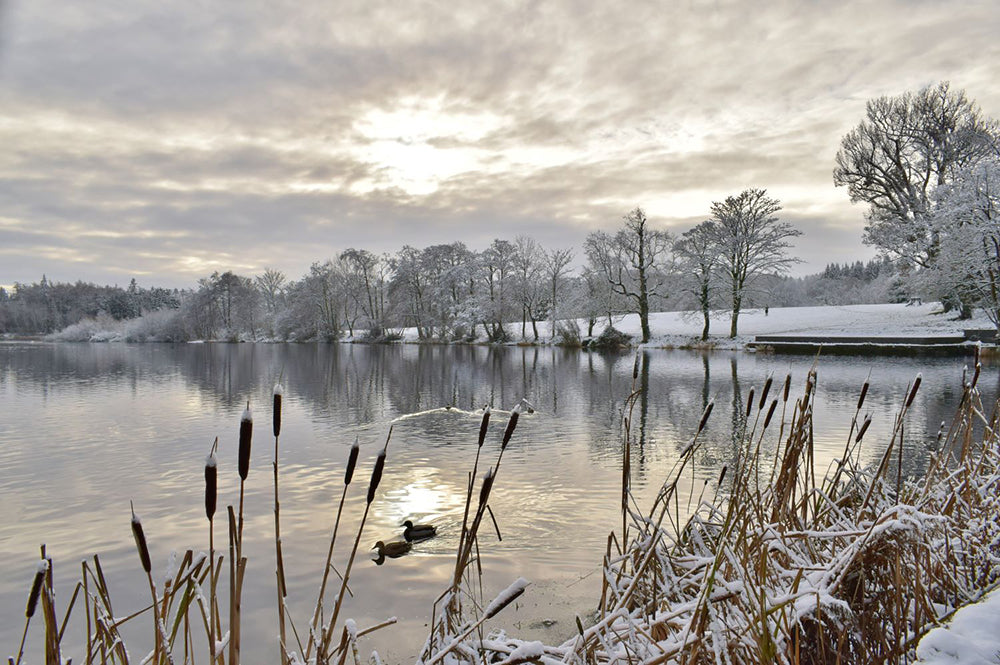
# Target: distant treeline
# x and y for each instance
(444, 290)
(45, 306)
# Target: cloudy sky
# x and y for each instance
(163, 140)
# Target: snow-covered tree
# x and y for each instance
(752, 243)
(634, 261)
(697, 252)
(966, 218)
(529, 267)
(556, 270)
(905, 147)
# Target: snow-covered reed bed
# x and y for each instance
(786, 565)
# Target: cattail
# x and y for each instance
(722, 476)
(246, 433)
(763, 394)
(211, 484)
(376, 475)
(864, 428)
(975, 374)
(788, 386)
(770, 412)
(511, 424)
(635, 368)
(484, 492)
(864, 393)
(36, 588)
(913, 391)
(941, 430)
(484, 425)
(140, 541)
(705, 414)
(352, 461)
(276, 416)
(749, 402)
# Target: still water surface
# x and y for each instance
(86, 428)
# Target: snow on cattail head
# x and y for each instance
(211, 483)
(140, 541)
(276, 419)
(484, 492)
(246, 433)
(511, 424)
(36, 587)
(484, 425)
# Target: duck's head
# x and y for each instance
(408, 524)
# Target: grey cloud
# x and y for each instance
(205, 122)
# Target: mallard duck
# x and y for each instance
(418, 531)
(393, 549)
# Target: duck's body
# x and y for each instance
(393, 549)
(418, 531)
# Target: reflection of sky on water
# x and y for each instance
(86, 428)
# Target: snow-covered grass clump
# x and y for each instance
(781, 564)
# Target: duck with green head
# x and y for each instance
(415, 532)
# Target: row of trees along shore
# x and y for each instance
(927, 163)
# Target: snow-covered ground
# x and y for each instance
(684, 328)
(972, 637)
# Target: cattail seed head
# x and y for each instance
(864, 393)
(484, 425)
(770, 412)
(864, 428)
(211, 485)
(722, 476)
(140, 541)
(635, 368)
(484, 492)
(788, 386)
(279, 391)
(511, 424)
(376, 475)
(763, 393)
(705, 414)
(36, 588)
(352, 461)
(975, 374)
(246, 433)
(913, 391)
(749, 402)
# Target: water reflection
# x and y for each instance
(86, 428)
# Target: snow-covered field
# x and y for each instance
(684, 328)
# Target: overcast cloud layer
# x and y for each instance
(167, 140)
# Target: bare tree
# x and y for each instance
(556, 269)
(752, 244)
(633, 262)
(906, 146)
(528, 261)
(271, 284)
(698, 254)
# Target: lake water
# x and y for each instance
(84, 429)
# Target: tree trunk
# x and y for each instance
(733, 325)
(704, 331)
(534, 329)
(644, 316)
